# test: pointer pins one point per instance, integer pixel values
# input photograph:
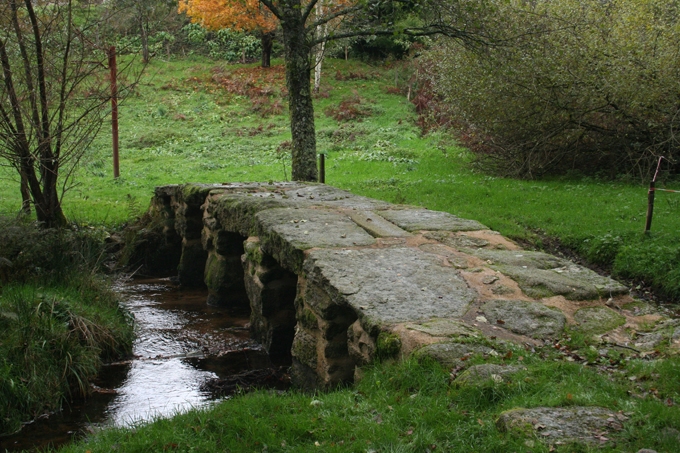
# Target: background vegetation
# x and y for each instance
(568, 85)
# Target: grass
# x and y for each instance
(196, 120)
(58, 320)
(411, 407)
(53, 338)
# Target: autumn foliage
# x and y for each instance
(239, 15)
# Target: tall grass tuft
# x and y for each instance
(58, 319)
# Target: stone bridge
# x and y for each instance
(336, 280)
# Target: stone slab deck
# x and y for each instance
(339, 280)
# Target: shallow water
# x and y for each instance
(181, 343)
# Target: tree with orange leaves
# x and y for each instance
(300, 21)
(239, 15)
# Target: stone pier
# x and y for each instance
(336, 280)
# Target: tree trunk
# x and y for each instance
(321, 32)
(25, 195)
(267, 41)
(145, 40)
(298, 72)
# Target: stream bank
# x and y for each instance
(182, 351)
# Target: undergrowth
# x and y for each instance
(58, 319)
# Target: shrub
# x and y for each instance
(568, 84)
(351, 108)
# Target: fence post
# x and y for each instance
(114, 110)
(650, 205)
(322, 168)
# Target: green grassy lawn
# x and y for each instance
(194, 120)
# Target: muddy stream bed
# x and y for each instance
(182, 347)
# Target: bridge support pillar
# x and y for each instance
(271, 291)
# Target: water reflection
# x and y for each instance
(181, 343)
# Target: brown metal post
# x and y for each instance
(322, 168)
(650, 205)
(114, 110)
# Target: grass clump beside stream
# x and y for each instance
(414, 406)
(58, 320)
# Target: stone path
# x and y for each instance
(336, 280)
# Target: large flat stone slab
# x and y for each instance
(286, 233)
(525, 318)
(418, 219)
(564, 424)
(390, 285)
(541, 275)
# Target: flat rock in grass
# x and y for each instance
(541, 275)
(648, 341)
(598, 320)
(389, 285)
(586, 425)
(525, 318)
(450, 354)
(479, 374)
(414, 219)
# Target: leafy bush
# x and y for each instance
(224, 44)
(28, 252)
(568, 84)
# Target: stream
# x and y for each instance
(181, 344)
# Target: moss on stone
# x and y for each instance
(308, 319)
(598, 320)
(215, 272)
(388, 345)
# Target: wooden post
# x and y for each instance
(650, 205)
(114, 110)
(322, 168)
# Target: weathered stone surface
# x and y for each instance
(443, 328)
(224, 279)
(456, 241)
(361, 346)
(542, 275)
(479, 374)
(450, 354)
(286, 233)
(192, 263)
(417, 219)
(564, 424)
(323, 195)
(375, 225)
(390, 285)
(598, 320)
(271, 291)
(525, 318)
(457, 261)
(649, 341)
